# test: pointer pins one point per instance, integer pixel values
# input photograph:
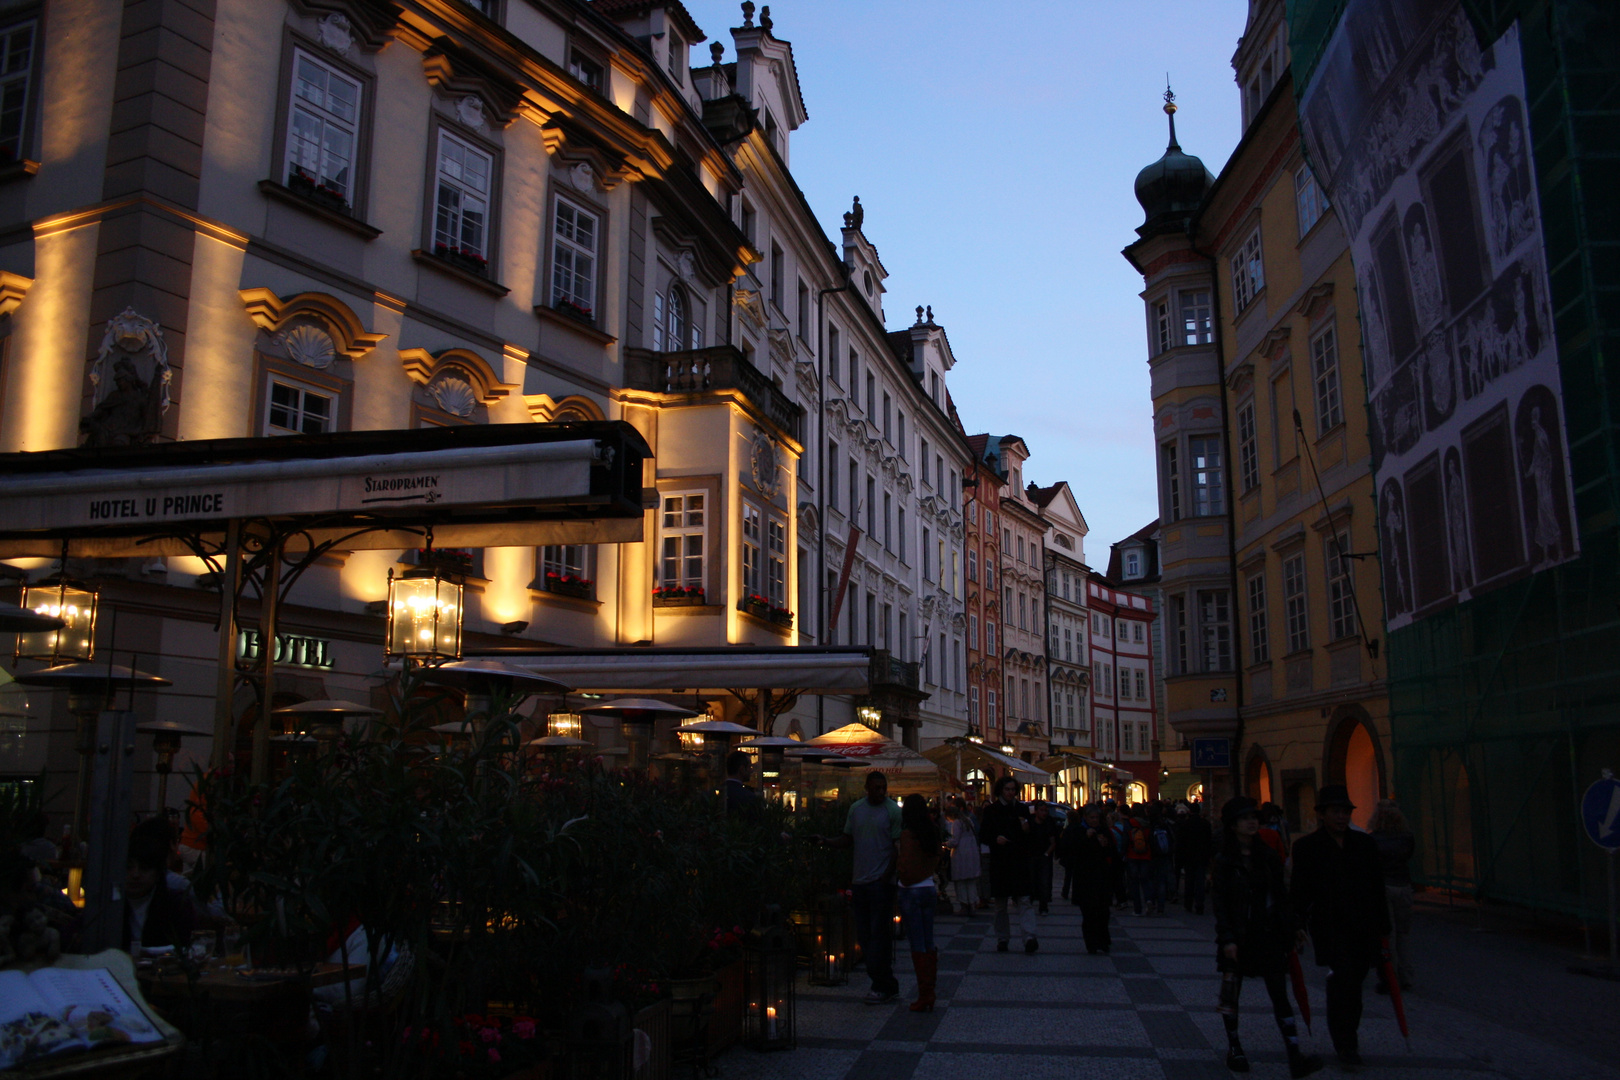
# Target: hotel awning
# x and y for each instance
(949, 755)
(496, 485)
(809, 670)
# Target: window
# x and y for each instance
(573, 257)
(778, 272)
(1164, 326)
(1124, 683)
(953, 489)
(1133, 568)
(1259, 631)
(1172, 481)
(485, 7)
(903, 646)
(939, 473)
(1138, 634)
(1294, 612)
(1006, 600)
(751, 553)
(1308, 198)
(972, 565)
(1068, 644)
(461, 205)
(1208, 498)
(886, 628)
(900, 429)
(871, 619)
(295, 410)
(803, 311)
(1108, 680)
(854, 378)
(973, 631)
(1248, 449)
(1341, 603)
(585, 69)
(1023, 700)
(888, 415)
(671, 321)
(989, 708)
(922, 458)
(683, 541)
(832, 475)
(933, 386)
(973, 708)
(1325, 368)
(871, 507)
(833, 354)
(321, 124)
(1215, 629)
(871, 392)
(776, 560)
(1248, 272)
(990, 637)
(927, 555)
(677, 58)
(1128, 738)
(1141, 685)
(888, 522)
(1120, 633)
(1020, 549)
(1021, 624)
(566, 566)
(1178, 628)
(1197, 327)
(854, 489)
(900, 534)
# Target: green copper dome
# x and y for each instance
(1172, 187)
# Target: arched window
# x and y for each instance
(678, 320)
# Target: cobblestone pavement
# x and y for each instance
(1147, 1012)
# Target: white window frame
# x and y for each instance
(1308, 199)
(1341, 601)
(1172, 481)
(299, 410)
(1209, 482)
(1259, 625)
(1197, 316)
(1141, 684)
(1248, 447)
(455, 176)
(753, 544)
(677, 549)
(574, 259)
(776, 560)
(1215, 629)
(1325, 374)
(1164, 326)
(1248, 271)
(323, 114)
(1296, 607)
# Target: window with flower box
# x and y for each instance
(19, 80)
(461, 204)
(684, 543)
(565, 570)
(764, 565)
(323, 121)
(574, 238)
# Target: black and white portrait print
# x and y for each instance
(1427, 158)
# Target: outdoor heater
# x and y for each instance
(166, 736)
(424, 616)
(636, 718)
(769, 967)
(73, 602)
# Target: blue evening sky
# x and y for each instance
(994, 146)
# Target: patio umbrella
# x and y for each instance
(14, 619)
(1301, 995)
(1386, 967)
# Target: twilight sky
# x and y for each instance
(994, 146)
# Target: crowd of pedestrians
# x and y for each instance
(1344, 892)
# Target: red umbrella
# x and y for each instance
(1301, 995)
(1386, 967)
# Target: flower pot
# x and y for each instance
(580, 590)
(678, 600)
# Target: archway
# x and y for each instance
(1257, 776)
(1136, 793)
(1353, 757)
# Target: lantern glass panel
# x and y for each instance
(71, 602)
(424, 617)
(830, 956)
(769, 966)
(563, 723)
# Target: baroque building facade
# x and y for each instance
(1266, 494)
(343, 215)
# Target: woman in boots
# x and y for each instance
(1254, 930)
(919, 896)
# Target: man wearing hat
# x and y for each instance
(1338, 893)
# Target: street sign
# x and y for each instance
(1600, 812)
(1212, 753)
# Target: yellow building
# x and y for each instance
(1266, 493)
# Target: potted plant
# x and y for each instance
(303, 184)
(678, 596)
(574, 310)
(568, 585)
(466, 258)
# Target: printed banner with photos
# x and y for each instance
(1422, 140)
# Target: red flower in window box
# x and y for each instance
(568, 585)
(573, 310)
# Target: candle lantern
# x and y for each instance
(830, 930)
(769, 967)
(74, 603)
(564, 724)
(424, 616)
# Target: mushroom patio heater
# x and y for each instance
(73, 603)
(424, 616)
(166, 736)
(768, 972)
(636, 717)
(483, 679)
(15, 620)
(324, 720)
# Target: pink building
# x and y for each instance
(1123, 713)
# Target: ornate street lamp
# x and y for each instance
(73, 602)
(424, 616)
(769, 967)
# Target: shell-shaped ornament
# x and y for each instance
(310, 346)
(454, 394)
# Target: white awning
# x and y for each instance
(947, 755)
(804, 670)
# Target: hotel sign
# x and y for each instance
(292, 650)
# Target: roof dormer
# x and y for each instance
(767, 78)
(664, 27)
(866, 272)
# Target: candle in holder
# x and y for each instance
(770, 1021)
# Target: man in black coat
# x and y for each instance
(1195, 847)
(1338, 893)
(1005, 829)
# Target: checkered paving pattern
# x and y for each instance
(1145, 1012)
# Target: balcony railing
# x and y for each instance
(721, 367)
(889, 670)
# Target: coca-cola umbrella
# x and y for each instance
(1386, 968)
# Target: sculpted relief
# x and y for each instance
(130, 378)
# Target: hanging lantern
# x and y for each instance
(830, 930)
(75, 604)
(691, 740)
(424, 616)
(768, 971)
(565, 724)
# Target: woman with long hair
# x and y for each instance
(919, 896)
(1395, 847)
(1254, 930)
(963, 844)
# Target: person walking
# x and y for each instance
(1118, 826)
(1338, 892)
(1254, 931)
(1043, 841)
(919, 897)
(1395, 847)
(963, 844)
(1139, 870)
(1005, 827)
(1164, 856)
(1195, 845)
(872, 829)
(1093, 857)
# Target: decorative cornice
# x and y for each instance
(13, 290)
(421, 366)
(370, 23)
(270, 312)
(1316, 300)
(454, 70)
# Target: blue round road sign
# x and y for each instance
(1600, 813)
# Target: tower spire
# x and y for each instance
(1170, 111)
